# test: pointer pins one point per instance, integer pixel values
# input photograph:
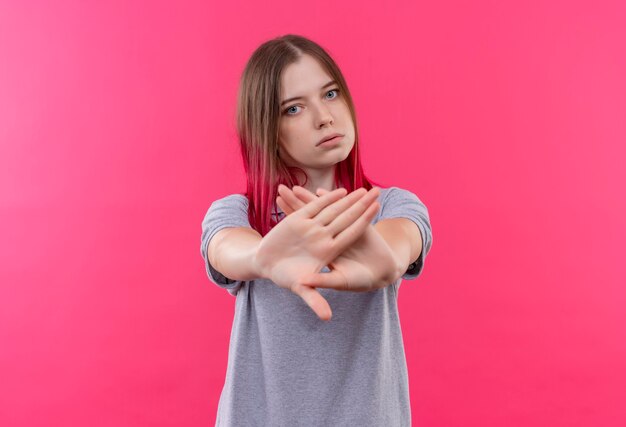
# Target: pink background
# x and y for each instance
(117, 133)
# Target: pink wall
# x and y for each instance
(116, 133)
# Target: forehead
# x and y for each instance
(302, 77)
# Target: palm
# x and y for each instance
(290, 249)
(367, 264)
(364, 265)
(311, 238)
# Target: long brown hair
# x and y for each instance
(258, 115)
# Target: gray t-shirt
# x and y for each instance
(286, 367)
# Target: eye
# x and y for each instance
(290, 112)
(287, 111)
(333, 90)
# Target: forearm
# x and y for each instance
(232, 252)
(404, 239)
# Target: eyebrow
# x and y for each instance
(330, 83)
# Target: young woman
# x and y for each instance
(311, 240)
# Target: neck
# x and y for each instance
(320, 178)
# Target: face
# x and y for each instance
(319, 111)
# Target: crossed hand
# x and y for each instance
(333, 229)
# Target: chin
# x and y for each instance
(344, 155)
(349, 150)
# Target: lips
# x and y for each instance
(331, 136)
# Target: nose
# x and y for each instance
(324, 117)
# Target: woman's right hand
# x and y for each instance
(309, 239)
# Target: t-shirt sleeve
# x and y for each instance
(230, 211)
(401, 203)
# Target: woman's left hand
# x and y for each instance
(367, 265)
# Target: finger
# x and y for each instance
(352, 233)
(290, 197)
(303, 194)
(283, 205)
(341, 220)
(321, 191)
(332, 211)
(299, 196)
(314, 300)
(311, 210)
(333, 280)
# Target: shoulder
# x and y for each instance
(398, 202)
(386, 192)
(394, 190)
(231, 209)
(231, 201)
(235, 198)
(393, 195)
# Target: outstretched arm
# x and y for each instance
(401, 234)
(369, 263)
(404, 239)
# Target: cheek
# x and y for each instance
(289, 145)
(286, 142)
(289, 134)
(294, 135)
